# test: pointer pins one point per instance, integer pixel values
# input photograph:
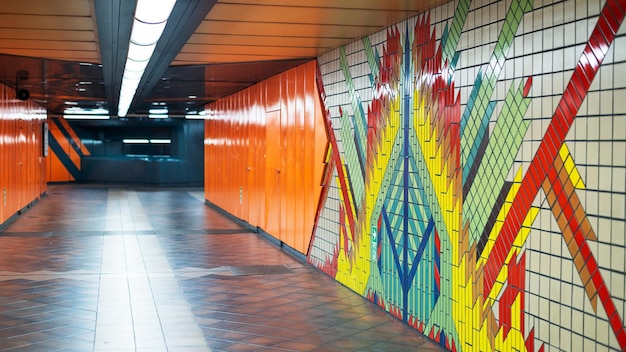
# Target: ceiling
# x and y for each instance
(69, 54)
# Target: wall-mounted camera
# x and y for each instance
(21, 94)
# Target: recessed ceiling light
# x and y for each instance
(135, 141)
(85, 117)
(158, 111)
(150, 20)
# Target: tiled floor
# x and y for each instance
(97, 268)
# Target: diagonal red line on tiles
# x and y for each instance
(602, 37)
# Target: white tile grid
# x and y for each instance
(565, 59)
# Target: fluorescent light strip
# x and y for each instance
(201, 115)
(158, 111)
(85, 117)
(146, 141)
(150, 20)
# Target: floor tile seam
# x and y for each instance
(269, 327)
(152, 298)
(261, 347)
(136, 211)
(29, 316)
(35, 332)
(268, 333)
(102, 291)
(158, 306)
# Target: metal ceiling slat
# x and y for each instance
(259, 50)
(390, 5)
(48, 34)
(284, 29)
(47, 44)
(306, 15)
(229, 58)
(256, 40)
(45, 22)
(47, 7)
(75, 56)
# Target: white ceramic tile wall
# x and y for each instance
(547, 46)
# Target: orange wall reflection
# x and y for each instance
(264, 155)
(22, 161)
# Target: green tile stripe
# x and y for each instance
(421, 293)
(359, 118)
(372, 58)
(351, 159)
(389, 173)
(474, 120)
(440, 316)
(500, 153)
(393, 293)
(450, 38)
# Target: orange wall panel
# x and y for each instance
(22, 163)
(264, 155)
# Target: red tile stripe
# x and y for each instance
(601, 38)
(335, 157)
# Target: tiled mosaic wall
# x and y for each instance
(475, 180)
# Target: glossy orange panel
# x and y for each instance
(22, 164)
(264, 155)
(287, 162)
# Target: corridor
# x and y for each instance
(109, 268)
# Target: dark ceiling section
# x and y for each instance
(114, 22)
(186, 16)
(185, 89)
(61, 85)
(56, 84)
(70, 54)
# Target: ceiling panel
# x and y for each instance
(253, 50)
(47, 35)
(49, 29)
(304, 14)
(397, 5)
(261, 29)
(282, 29)
(18, 22)
(253, 40)
(212, 48)
(53, 45)
(80, 56)
(48, 7)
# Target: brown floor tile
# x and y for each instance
(196, 280)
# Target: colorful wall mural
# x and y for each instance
(475, 179)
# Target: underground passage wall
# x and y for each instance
(473, 184)
(22, 153)
(166, 151)
(478, 174)
(264, 155)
